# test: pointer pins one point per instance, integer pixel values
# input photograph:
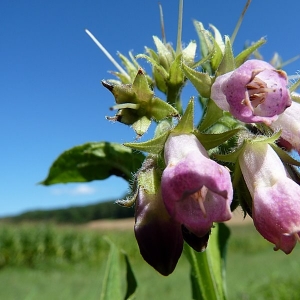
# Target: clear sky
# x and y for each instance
(50, 71)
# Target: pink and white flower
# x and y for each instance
(289, 124)
(196, 190)
(276, 197)
(253, 93)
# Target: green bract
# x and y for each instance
(137, 105)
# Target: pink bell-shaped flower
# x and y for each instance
(289, 124)
(196, 190)
(276, 197)
(253, 93)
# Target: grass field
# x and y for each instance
(56, 262)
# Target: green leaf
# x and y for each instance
(131, 281)
(227, 63)
(186, 123)
(94, 161)
(243, 56)
(201, 81)
(112, 281)
(111, 285)
(207, 268)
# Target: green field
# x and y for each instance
(58, 262)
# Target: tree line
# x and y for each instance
(77, 214)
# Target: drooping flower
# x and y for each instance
(196, 190)
(276, 197)
(253, 93)
(289, 124)
(158, 235)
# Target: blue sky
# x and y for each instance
(50, 72)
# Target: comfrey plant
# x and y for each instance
(189, 178)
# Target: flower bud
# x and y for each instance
(137, 105)
(253, 93)
(196, 190)
(276, 197)
(158, 235)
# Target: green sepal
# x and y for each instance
(218, 38)
(176, 77)
(154, 146)
(189, 53)
(160, 109)
(94, 161)
(186, 123)
(294, 87)
(284, 156)
(141, 125)
(126, 116)
(123, 78)
(141, 88)
(231, 157)
(130, 200)
(243, 56)
(206, 42)
(210, 141)
(212, 114)
(123, 93)
(202, 61)
(162, 127)
(295, 98)
(158, 72)
(155, 64)
(219, 48)
(130, 67)
(227, 64)
(201, 81)
(164, 54)
(266, 139)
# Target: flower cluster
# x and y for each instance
(195, 191)
(195, 176)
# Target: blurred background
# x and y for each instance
(52, 100)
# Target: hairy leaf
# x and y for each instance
(94, 161)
